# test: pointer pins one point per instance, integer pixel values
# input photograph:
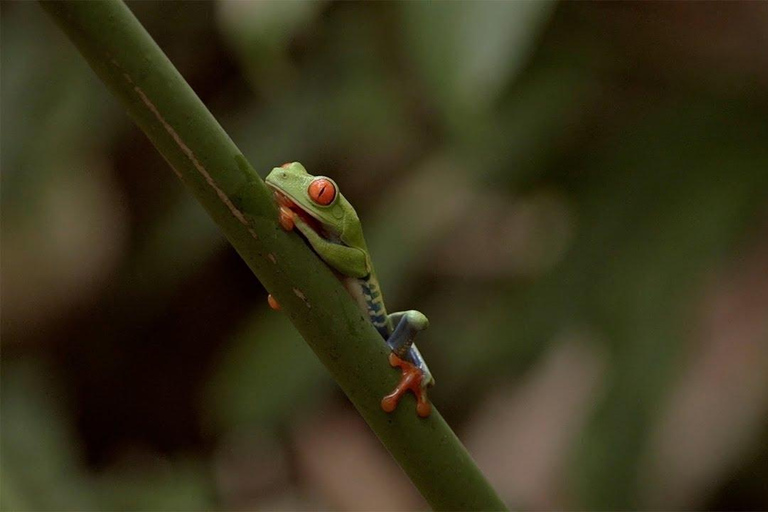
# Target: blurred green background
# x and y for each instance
(576, 194)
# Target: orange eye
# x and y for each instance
(322, 191)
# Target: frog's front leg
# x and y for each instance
(285, 217)
(416, 376)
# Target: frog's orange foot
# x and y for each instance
(286, 218)
(273, 303)
(412, 380)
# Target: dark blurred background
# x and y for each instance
(576, 194)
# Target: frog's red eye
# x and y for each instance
(322, 191)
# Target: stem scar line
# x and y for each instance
(303, 297)
(191, 156)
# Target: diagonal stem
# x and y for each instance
(203, 156)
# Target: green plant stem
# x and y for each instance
(203, 156)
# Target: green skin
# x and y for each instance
(337, 237)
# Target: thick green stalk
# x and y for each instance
(203, 156)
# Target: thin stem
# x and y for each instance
(203, 156)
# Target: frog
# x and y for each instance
(315, 207)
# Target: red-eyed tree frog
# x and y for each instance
(314, 205)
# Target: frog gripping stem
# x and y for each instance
(314, 206)
(412, 380)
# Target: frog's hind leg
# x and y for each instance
(416, 375)
(408, 324)
(418, 361)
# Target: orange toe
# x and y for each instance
(423, 408)
(389, 403)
